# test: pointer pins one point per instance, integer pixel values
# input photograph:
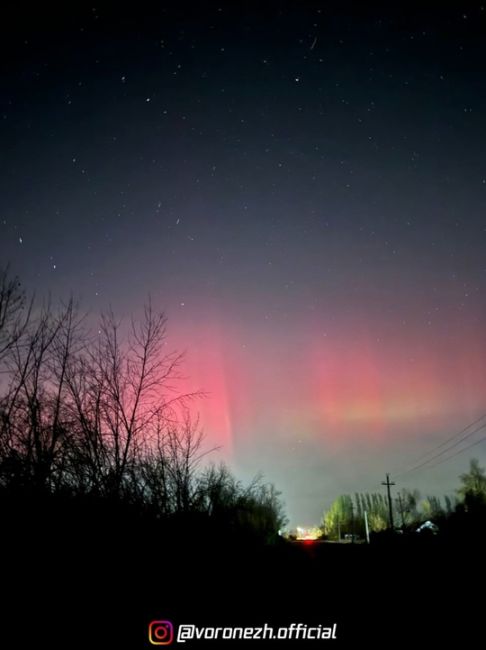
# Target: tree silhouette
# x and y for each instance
(473, 488)
(101, 417)
(15, 312)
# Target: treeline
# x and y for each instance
(466, 509)
(98, 417)
(346, 516)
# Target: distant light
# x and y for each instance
(308, 534)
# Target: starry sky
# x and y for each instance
(301, 186)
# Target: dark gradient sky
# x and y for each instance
(301, 186)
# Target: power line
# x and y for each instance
(457, 434)
(473, 444)
(441, 453)
(447, 448)
(450, 439)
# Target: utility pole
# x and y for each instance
(367, 528)
(388, 484)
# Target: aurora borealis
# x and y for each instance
(301, 187)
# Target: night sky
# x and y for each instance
(300, 186)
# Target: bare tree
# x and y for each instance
(102, 415)
(124, 395)
(255, 510)
(14, 311)
(35, 421)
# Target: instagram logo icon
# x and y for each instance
(161, 632)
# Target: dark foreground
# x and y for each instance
(65, 586)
